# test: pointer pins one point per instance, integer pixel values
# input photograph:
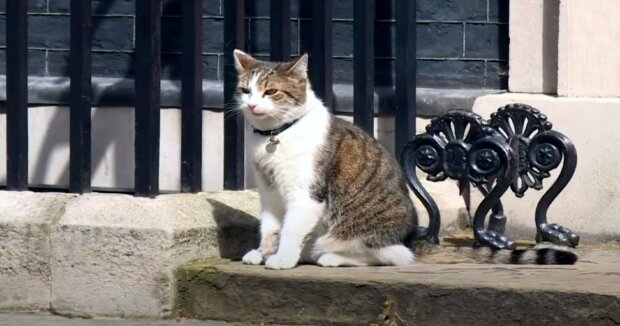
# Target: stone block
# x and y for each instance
(213, 29)
(421, 294)
(588, 47)
(115, 255)
(451, 73)
(499, 10)
(259, 36)
(439, 40)
(533, 46)
(486, 41)
(25, 248)
(454, 10)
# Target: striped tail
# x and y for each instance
(535, 256)
(542, 255)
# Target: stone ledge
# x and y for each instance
(120, 92)
(113, 255)
(424, 294)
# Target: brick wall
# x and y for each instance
(461, 43)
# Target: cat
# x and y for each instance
(330, 194)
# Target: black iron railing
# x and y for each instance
(147, 84)
(17, 95)
(515, 149)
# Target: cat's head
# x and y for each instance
(271, 94)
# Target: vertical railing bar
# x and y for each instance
(280, 30)
(234, 37)
(147, 99)
(363, 64)
(405, 114)
(80, 97)
(17, 94)
(321, 66)
(191, 102)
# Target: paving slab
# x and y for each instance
(50, 320)
(587, 293)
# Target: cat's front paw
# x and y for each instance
(281, 262)
(253, 257)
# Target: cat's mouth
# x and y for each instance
(258, 114)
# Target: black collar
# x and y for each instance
(275, 132)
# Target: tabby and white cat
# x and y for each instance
(330, 194)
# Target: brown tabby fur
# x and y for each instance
(365, 190)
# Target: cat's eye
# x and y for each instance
(244, 90)
(271, 91)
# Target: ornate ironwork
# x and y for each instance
(516, 149)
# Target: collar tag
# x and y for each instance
(272, 145)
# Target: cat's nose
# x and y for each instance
(251, 107)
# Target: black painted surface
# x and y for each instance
(234, 163)
(405, 111)
(191, 114)
(280, 30)
(461, 43)
(321, 51)
(147, 85)
(81, 97)
(363, 86)
(17, 97)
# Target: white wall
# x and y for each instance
(113, 148)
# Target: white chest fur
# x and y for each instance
(290, 165)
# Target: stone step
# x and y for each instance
(587, 293)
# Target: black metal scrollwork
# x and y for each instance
(516, 149)
(520, 123)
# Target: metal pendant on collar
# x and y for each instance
(272, 145)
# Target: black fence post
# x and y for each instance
(191, 102)
(321, 65)
(234, 38)
(147, 99)
(405, 72)
(363, 64)
(81, 98)
(280, 30)
(17, 94)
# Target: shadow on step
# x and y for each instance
(237, 231)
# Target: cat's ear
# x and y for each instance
(299, 65)
(244, 61)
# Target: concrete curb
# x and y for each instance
(422, 294)
(113, 255)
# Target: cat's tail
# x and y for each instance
(540, 255)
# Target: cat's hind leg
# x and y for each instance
(394, 255)
(332, 259)
(330, 252)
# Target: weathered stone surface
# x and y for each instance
(588, 61)
(423, 294)
(25, 275)
(114, 255)
(534, 46)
